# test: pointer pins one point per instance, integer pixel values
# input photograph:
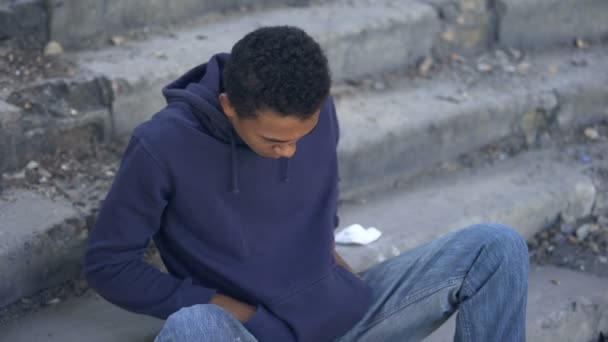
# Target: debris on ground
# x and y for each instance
(23, 61)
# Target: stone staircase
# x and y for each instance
(418, 84)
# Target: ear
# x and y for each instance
(227, 106)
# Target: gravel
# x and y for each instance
(22, 61)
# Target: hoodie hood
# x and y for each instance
(200, 89)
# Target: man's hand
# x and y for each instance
(241, 311)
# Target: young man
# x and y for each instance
(236, 180)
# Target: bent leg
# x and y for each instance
(481, 270)
(205, 322)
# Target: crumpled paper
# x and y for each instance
(356, 234)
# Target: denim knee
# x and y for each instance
(503, 241)
(196, 314)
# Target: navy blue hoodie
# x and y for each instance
(226, 219)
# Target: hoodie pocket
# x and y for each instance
(327, 308)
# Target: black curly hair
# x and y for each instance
(280, 68)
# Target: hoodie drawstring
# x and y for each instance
(235, 171)
(285, 170)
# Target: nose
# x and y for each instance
(285, 151)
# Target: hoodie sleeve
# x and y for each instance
(130, 216)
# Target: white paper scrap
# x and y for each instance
(355, 234)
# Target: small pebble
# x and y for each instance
(160, 55)
(32, 165)
(484, 67)
(523, 67)
(573, 240)
(379, 86)
(602, 259)
(582, 232)
(592, 134)
(581, 44)
(44, 173)
(510, 68)
(117, 40)
(594, 248)
(555, 282)
(456, 58)
(53, 48)
(425, 66)
(54, 301)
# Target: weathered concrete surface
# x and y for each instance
(23, 18)
(468, 26)
(539, 23)
(527, 193)
(72, 20)
(571, 311)
(61, 114)
(415, 126)
(407, 131)
(367, 39)
(92, 317)
(41, 243)
(34, 136)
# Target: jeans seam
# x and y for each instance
(412, 299)
(465, 329)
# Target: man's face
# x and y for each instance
(269, 134)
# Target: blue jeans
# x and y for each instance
(481, 271)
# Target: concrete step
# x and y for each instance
(405, 129)
(528, 192)
(72, 20)
(422, 122)
(117, 88)
(138, 70)
(26, 136)
(541, 23)
(411, 128)
(574, 310)
(41, 245)
(563, 305)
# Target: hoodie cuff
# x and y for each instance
(266, 327)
